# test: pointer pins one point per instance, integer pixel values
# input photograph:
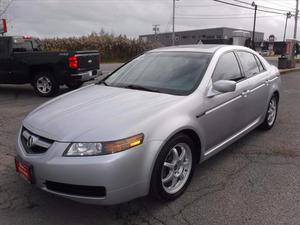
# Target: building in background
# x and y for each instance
(222, 35)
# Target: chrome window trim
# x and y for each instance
(222, 105)
(257, 87)
(243, 77)
(273, 79)
(255, 58)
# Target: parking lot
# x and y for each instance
(254, 181)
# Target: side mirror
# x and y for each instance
(222, 86)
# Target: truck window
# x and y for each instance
(22, 46)
(37, 45)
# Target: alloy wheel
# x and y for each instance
(176, 168)
(272, 111)
(44, 85)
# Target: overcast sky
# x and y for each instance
(60, 18)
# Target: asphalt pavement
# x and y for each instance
(255, 181)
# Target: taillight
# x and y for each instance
(73, 63)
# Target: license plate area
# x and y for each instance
(25, 170)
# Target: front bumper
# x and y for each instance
(125, 176)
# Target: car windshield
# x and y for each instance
(166, 72)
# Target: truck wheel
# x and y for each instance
(74, 85)
(45, 84)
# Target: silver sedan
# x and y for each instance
(144, 128)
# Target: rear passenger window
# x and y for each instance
(249, 63)
(227, 68)
(260, 65)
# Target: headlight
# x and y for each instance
(103, 148)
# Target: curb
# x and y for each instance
(289, 70)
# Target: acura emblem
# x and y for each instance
(30, 141)
(90, 61)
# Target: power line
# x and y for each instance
(6, 8)
(281, 4)
(260, 6)
(182, 6)
(223, 17)
(247, 7)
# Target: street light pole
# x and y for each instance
(254, 25)
(295, 33)
(173, 29)
(288, 15)
(296, 19)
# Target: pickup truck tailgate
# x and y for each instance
(88, 61)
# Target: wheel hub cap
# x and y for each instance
(176, 168)
(44, 85)
(272, 111)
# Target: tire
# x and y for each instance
(75, 85)
(166, 170)
(45, 84)
(271, 114)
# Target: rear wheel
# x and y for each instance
(271, 114)
(173, 169)
(45, 84)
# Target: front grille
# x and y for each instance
(78, 190)
(34, 144)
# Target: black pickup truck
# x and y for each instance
(22, 61)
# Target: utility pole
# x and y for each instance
(156, 30)
(254, 25)
(295, 33)
(288, 15)
(296, 19)
(173, 30)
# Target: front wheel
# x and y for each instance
(45, 84)
(173, 169)
(271, 115)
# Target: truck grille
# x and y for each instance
(34, 144)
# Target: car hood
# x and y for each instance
(97, 113)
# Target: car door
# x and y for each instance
(257, 76)
(5, 61)
(224, 112)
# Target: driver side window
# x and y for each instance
(227, 68)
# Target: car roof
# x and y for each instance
(205, 48)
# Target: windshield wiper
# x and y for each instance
(142, 88)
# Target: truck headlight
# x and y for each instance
(103, 148)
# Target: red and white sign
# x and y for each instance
(3, 26)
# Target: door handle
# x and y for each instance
(267, 82)
(246, 93)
